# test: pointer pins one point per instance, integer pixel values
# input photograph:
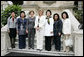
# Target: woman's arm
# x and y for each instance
(60, 25)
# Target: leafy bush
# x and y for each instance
(7, 13)
(79, 15)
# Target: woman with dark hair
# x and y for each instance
(22, 29)
(31, 29)
(66, 30)
(12, 28)
(57, 29)
(48, 30)
(64, 13)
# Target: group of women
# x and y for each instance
(40, 27)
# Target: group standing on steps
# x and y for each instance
(43, 27)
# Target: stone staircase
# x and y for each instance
(43, 52)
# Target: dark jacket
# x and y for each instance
(30, 22)
(57, 27)
(21, 26)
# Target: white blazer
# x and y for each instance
(67, 26)
(48, 28)
(41, 22)
(40, 33)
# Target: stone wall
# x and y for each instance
(55, 7)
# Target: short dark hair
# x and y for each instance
(22, 12)
(57, 15)
(49, 11)
(66, 15)
(13, 12)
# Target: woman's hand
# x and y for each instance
(59, 34)
(37, 28)
(26, 31)
(51, 32)
(17, 32)
(8, 31)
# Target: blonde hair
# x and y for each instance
(41, 11)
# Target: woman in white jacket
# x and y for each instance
(66, 30)
(39, 25)
(48, 30)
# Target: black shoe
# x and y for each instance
(48, 50)
(13, 46)
(32, 47)
(29, 48)
(39, 49)
(58, 50)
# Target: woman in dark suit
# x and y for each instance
(22, 30)
(57, 29)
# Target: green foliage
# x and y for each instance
(79, 15)
(7, 13)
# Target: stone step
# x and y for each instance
(34, 40)
(43, 52)
(17, 45)
(53, 47)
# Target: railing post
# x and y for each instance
(78, 44)
(5, 42)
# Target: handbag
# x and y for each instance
(69, 42)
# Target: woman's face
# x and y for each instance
(56, 17)
(64, 16)
(48, 13)
(31, 14)
(22, 15)
(40, 13)
(13, 14)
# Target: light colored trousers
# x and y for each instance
(39, 38)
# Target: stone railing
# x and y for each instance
(77, 37)
(5, 42)
(78, 42)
